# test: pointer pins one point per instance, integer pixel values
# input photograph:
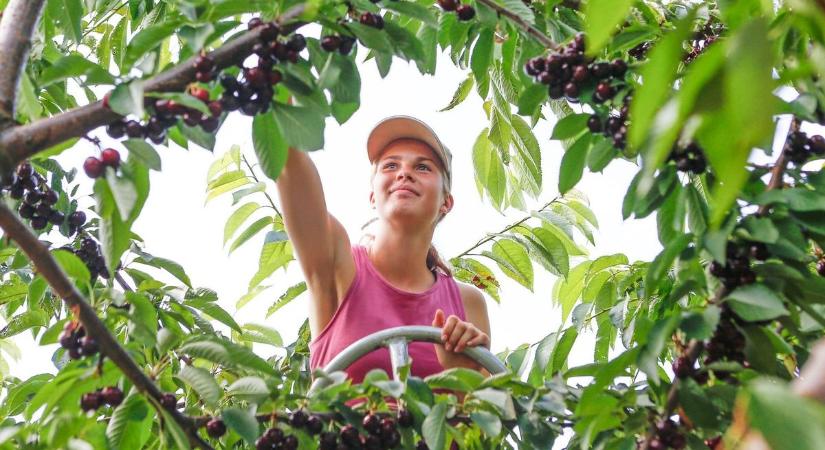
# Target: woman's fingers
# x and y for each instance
(464, 340)
(447, 329)
(458, 330)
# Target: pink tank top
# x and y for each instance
(372, 304)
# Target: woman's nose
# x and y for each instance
(403, 172)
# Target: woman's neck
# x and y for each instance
(401, 258)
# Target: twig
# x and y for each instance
(506, 229)
(16, 28)
(529, 29)
(46, 266)
(19, 143)
(255, 177)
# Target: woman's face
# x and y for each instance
(409, 184)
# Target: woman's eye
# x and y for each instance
(389, 165)
(424, 166)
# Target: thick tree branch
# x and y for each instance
(46, 266)
(16, 28)
(21, 142)
(529, 29)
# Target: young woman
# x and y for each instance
(394, 279)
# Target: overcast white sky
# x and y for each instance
(176, 224)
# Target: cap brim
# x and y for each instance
(401, 127)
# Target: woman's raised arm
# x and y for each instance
(320, 242)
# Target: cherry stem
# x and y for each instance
(529, 29)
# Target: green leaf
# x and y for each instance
(70, 14)
(663, 262)
(214, 311)
(562, 350)
(572, 164)
(263, 334)
(24, 321)
(237, 219)
(460, 379)
(251, 389)
(143, 151)
(302, 127)
(287, 297)
(414, 10)
(657, 339)
(74, 65)
(488, 422)
(371, 37)
(461, 93)
(513, 260)
(131, 423)
(600, 20)
(203, 383)
(147, 39)
(530, 100)
(756, 302)
(570, 126)
(699, 408)
(72, 265)
(482, 54)
(276, 253)
(252, 230)
(173, 268)
(269, 144)
(521, 10)
(434, 428)
(489, 169)
(243, 422)
(127, 98)
(785, 420)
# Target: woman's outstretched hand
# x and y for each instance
(457, 335)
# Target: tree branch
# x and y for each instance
(506, 229)
(529, 29)
(46, 266)
(16, 28)
(19, 143)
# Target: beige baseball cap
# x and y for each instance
(405, 127)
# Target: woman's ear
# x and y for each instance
(447, 206)
(372, 199)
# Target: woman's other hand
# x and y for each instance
(457, 335)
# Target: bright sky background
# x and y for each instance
(176, 224)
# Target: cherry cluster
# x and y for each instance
(820, 267)
(75, 340)
(341, 44)
(615, 126)
(89, 252)
(275, 438)
(111, 395)
(166, 115)
(38, 199)
(94, 167)
(567, 71)
(689, 159)
(737, 271)
(727, 343)
(253, 93)
(801, 147)
(463, 11)
(667, 436)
